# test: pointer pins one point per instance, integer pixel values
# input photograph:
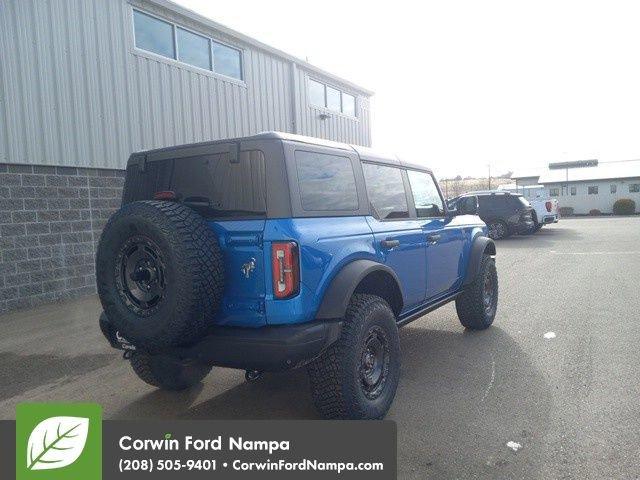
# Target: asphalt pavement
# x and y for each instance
(552, 390)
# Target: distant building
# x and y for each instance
(587, 185)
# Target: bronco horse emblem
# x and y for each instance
(248, 267)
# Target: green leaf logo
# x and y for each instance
(56, 442)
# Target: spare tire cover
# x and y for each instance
(160, 273)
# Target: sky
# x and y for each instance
(461, 85)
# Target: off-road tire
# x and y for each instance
(167, 374)
(498, 230)
(192, 266)
(470, 304)
(336, 386)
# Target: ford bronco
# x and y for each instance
(277, 251)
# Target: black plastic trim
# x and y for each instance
(480, 244)
(338, 294)
(269, 348)
(429, 308)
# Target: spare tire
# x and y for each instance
(160, 273)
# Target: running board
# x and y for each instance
(430, 308)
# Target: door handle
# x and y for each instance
(389, 244)
(433, 238)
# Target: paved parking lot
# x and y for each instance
(572, 402)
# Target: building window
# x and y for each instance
(327, 182)
(321, 95)
(333, 99)
(348, 104)
(634, 188)
(554, 192)
(614, 188)
(227, 61)
(157, 36)
(193, 49)
(154, 35)
(573, 190)
(593, 190)
(316, 93)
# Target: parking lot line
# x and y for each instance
(636, 252)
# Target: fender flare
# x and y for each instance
(481, 244)
(338, 293)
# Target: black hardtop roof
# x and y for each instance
(365, 153)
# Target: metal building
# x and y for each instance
(83, 83)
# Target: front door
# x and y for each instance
(444, 246)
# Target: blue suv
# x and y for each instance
(277, 251)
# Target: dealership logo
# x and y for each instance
(58, 441)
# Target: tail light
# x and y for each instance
(285, 266)
(548, 206)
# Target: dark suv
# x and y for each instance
(276, 251)
(504, 213)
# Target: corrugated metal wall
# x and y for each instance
(74, 91)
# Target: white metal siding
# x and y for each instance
(74, 90)
(582, 203)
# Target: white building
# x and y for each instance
(585, 188)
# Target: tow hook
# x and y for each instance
(252, 375)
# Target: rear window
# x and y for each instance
(216, 187)
(327, 182)
(386, 191)
(523, 201)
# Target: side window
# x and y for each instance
(425, 195)
(386, 191)
(327, 182)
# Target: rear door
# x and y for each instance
(399, 237)
(444, 245)
(227, 187)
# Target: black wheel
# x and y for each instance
(497, 230)
(477, 305)
(167, 373)
(159, 272)
(357, 377)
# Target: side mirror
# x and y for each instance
(468, 206)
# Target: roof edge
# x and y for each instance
(186, 12)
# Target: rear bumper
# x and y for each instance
(269, 348)
(524, 226)
(550, 219)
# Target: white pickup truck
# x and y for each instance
(545, 208)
